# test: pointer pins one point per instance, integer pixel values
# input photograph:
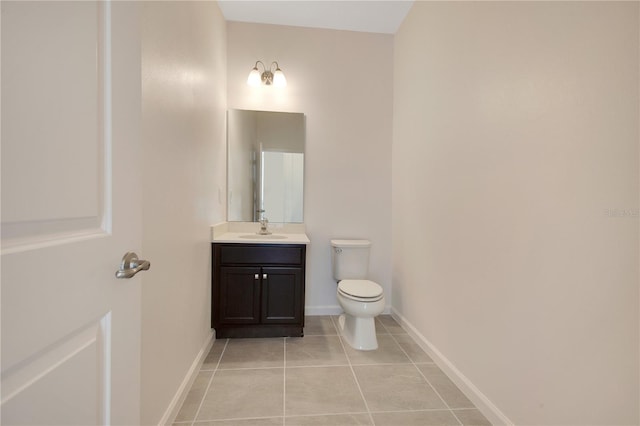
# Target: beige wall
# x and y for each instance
(515, 141)
(183, 164)
(341, 80)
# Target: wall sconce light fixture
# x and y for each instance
(267, 77)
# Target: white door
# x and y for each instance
(70, 210)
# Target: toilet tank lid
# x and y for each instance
(350, 243)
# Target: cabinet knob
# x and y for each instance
(256, 277)
(264, 276)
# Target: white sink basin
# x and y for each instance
(263, 237)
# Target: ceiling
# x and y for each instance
(377, 16)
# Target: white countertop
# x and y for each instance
(275, 238)
(246, 232)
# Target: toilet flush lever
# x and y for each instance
(338, 250)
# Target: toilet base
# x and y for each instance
(359, 332)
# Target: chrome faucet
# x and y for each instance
(264, 223)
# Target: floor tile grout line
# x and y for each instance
(374, 412)
(427, 380)
(348, 413)
(438, 393)
(465, 409)
(355, 364)
(326, 414)
(233, 419)
(413, 411)
(383, 326)
(204, 395)
(274, 367)
(366, 405)
(335, 327)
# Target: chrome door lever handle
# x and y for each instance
(131, 265)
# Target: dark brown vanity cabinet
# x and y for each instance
(258, 290)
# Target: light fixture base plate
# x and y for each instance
(267, 78)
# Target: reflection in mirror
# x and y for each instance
(265, 167)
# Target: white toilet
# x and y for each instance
(362, 300)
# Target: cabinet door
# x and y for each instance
(239, 295)
(281, 295)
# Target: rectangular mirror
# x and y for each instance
(265, 166)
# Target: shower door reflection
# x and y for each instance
(281, 183)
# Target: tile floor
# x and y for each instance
(320, 380)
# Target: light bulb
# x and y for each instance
(278, 78)
(254, 78)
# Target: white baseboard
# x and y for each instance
(181, 394)
(486, 407)
(331, 310)
(322, 310)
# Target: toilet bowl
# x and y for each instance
(362, 301)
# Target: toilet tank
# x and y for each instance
(350, 259)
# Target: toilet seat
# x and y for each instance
(361, 290)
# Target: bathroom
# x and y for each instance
(489, 151)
